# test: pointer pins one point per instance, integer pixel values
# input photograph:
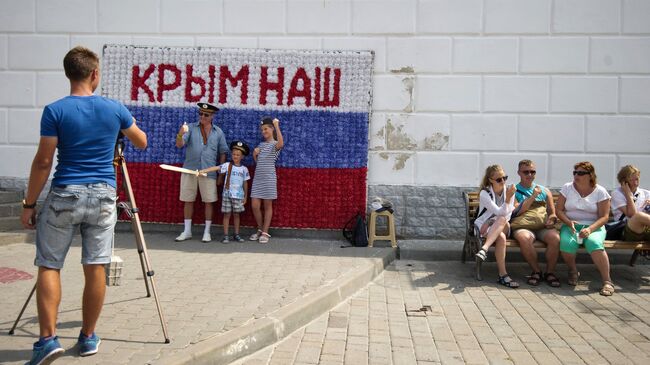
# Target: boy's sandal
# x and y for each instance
(607, 289)
(552, 280)
(506, 280)
(481, 255)
(534, 278)
(264, 237)
(573, 278)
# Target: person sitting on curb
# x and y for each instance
(531, 196)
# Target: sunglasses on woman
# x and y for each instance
(580, 173)
(501, 179)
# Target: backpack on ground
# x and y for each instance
(356, 232)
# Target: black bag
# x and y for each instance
(355, 231)
(615, 229)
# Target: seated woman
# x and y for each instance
(583, 207)
(496, 203)
(633, 204)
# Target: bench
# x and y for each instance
(473, 242)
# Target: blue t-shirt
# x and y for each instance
(529, 192)
(87, 129)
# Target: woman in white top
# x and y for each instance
(496, 203)
(634, 202)
(583, 207)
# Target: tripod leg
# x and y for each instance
(142, 246)
(11, 331)
(138, 241)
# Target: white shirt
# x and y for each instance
(619, 201)
(491, 208)
(579, 209)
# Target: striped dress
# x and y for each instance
(265, 180)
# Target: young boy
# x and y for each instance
(235, 189)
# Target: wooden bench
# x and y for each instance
(473, 242)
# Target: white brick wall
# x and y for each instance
(324, 17)
(24, 126)
(196, 16)
(584, 94)
(517, 16)
(458, 84)
(448, 93)
(554, 55)
(483, 132)
(586, 16)
(635, 97)
(383, 16)
(57, 16)
(515, 94)
(485, 55)
(3, 126)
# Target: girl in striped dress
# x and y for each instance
(265, 187)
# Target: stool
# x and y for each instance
(372, 236)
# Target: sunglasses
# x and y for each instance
(205, 114)
(580, 173)
(501, 179)
(529, 172)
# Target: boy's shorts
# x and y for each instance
(89, 208)
(231, 205)
(190, 184)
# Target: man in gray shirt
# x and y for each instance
(204, 143)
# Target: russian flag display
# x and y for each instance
(322, 99)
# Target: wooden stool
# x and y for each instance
(372, 236)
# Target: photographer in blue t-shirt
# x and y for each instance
(83, 128)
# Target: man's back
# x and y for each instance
(87, 129)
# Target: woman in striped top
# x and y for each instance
(265, 179)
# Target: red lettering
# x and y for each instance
(190, 80)
(242, 75)
(326, 100)
(305, 92)
(211, 71)
(266, 85)
(138, 82)
(162, 86)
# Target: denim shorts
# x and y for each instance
(89, 209)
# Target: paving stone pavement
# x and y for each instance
(419, 312)
(205, 291)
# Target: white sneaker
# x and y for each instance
(183, 236)
(206, 237)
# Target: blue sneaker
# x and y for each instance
(46, 351)
(88, 345)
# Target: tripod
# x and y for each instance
(132, 211)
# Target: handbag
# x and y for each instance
(615, 229)
(533, 219)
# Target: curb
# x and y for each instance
(258, 334)
(9, 238)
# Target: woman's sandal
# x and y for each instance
(534, 278)
(607, 289)
(264, 237)
(552, 280)
(506, 280)
(573, 278)
(481, 254)
(255, 236)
